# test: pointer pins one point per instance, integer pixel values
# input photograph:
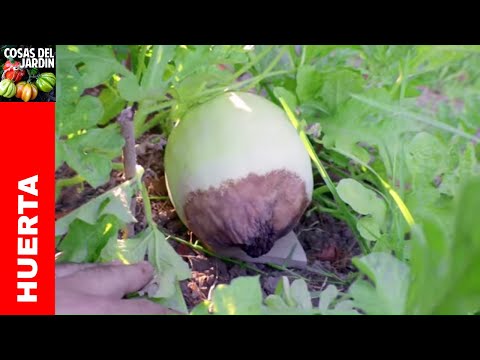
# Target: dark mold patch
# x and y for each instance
(251, 213)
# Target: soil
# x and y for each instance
(328, 242)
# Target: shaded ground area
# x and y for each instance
(328, 242)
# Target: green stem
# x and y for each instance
(292, 54)
(210, 253)
(146, 204)
(252, 63)
(145, 126)
(241, 84)
(159, 198)
(77, 179)
(117, 166)
(141, 62)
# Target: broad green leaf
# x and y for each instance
(300, 294)
(309, 83)
(390, 277)
(112, 202)
(430, 265)
(90, 154)
(169, 266)
(201, 309)
(275, 302)
(175, 302)
(364, 201)
(242, 297)
(112, 103)
(337, 87)
(445, 270)
(67, 87)
(131, 250)
(106, 141)
(86, 114)
(346, 307)
(356, 123)
(94, 168)
(327, 296)
(59, 154)
(129, 89)
(425, 154)
(191, 87)
(369, 228)
(85, 242)
(96, 63)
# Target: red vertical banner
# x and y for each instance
(27, 259)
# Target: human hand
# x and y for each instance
(100, 288)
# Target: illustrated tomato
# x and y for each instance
(46, 81)
(26, 91)
(9, 64)
(7, 88)
(12, 73)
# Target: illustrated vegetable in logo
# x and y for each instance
(46, 81)
(26, 91)
(7, 88)
(13, 71)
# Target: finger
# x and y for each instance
(65, 269)
(71, 303)
(112, 281)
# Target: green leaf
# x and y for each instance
(337, 87)
(242, 297)
(328, 306)
(95, 63)
(175, 302)
(289, 98)
(94, 168)
(67, 87)
(153, 81)
(309, 83)
(390, 277)
(201, 309)
(90, 154)
(107, 141)
(112, 103)
(191, 87)
(86, 114)
(84, 242)
(445, 270)
(169, 266)
(327, 296)
(59, 154)
(346, 307)
(369, 228)
(115, 202)
(275, 302)
(429, 264)
(364, 201)
(425, 156)
(300, 294)
(129, 89)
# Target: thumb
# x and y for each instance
(113, 281)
